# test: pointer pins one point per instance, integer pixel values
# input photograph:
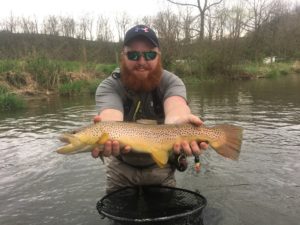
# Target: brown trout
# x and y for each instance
(157, 140)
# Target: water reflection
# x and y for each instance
(40, 187)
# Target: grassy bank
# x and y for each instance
(79, 87)
(42, 73)
(39, 75)
(272, 70)
(240, 72)
(10, 101)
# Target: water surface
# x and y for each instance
(38, 186)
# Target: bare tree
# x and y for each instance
(146, 20)
(202, 8)
(259, 12)
(86, 27)
(186, 21)
(167, 25)
(103, 29)
(51, 25)
(68, 26)
(122, 23)
(236, 21)
(11, 23)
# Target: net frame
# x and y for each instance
(196, 212)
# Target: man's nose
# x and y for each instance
(141, 60)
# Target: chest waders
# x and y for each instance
(147, 106)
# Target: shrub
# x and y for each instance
(9, 101)
(73, 88)
(92, 86)
(46, 72)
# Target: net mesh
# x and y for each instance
(152, 205)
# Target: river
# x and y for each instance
(39, 186)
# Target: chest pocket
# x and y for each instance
(144, 106)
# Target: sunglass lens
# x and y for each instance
(150, 55)
(133, 55)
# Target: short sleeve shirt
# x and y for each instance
(111, 93)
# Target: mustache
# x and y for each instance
(141, 66)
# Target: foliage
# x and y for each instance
(9, 101)
(3, 89)
(79, 87)
(92, 86)
(258, 70)
(72, 88)
(105, 68)
(47, 72)
(213, 41)
(7, 65)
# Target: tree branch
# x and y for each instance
(215, 3)
(183, 4)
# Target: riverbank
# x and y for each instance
(38, 77)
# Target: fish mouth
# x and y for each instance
(64, 139)
(73, 145)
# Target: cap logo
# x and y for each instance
(145, 29)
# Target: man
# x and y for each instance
(142, 90)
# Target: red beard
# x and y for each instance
(150, 83)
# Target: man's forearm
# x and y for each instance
(175, 108)
(111, 115)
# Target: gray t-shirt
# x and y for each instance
(111, 93)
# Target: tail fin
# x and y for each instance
(230, 145)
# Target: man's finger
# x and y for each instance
(195, 120)
(96, 152)
(107, 148)
(203, 145)
(97, 119)
(195, 148)
(176, 148)
(186, 148)
(126, 149)
(115, 148)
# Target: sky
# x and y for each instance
(42, 8)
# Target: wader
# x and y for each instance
(134, 169)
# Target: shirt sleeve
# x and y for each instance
(108, 96)
(172, 85)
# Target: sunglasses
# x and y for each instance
(135, 55)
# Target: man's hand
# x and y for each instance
(111, 147)
(192, 148)
(177, 112)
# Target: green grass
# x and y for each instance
(257, 70)
(92, 86)
(9, 101)
(3, 89)
(105, 68)
(72, 88)
(79, 87)
(50, 73)
(7, 65)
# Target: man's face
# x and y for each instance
(141, 67)
(141, 72)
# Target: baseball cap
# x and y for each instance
(141, 30)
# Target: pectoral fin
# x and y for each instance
(161, 157)
(104, 138)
